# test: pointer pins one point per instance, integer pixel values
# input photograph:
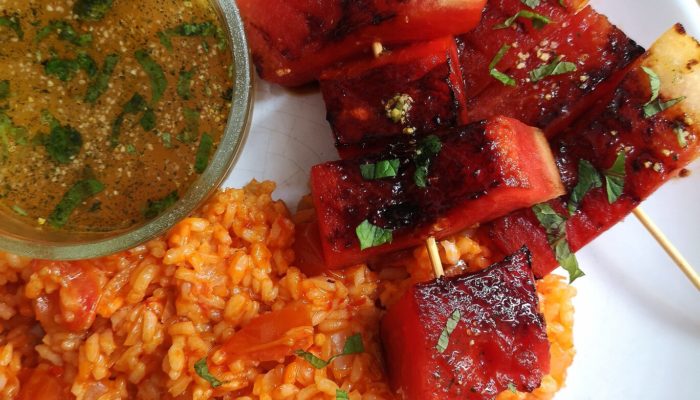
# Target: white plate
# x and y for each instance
(637, 318)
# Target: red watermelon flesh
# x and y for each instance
(499, 341)
(292, 41)
(483, 171)
(356, 94)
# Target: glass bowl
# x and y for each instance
(19, 238)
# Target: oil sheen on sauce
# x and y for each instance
(107, 117)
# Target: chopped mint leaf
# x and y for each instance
(615, 178)
(556, 67)
(100, 84)
(341, 395)
(191, 131)
(381, 169)
(202, 369)
(206, 145)
(92, 10)
(155, 74)
(353, 345)
(184, 84)
(428, 148)
(164, 39)
(496, 74)
(450, 325)
(588, 179)
(555, 225)
(65, 32)
(63, 143)
(156, 207)
(658, 106)
(539, 21)
(372, 235)
(13, 23)
(77, 194)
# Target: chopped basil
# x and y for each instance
(156, 207)
(426, 151)
(353, 345)
(87, 64)
(681, 135)
(531, 3)
(204, 29)
(191, 131)
(63, 69)
(63, 143)
(588, 179)
(92, 10)
(372, 235)
(19, 210)
(155, 74)
(512, 388)
(167, 140)
(78, 193)
(13, 23)
(341, 395)
(100, 84)
(10, 131)
(184, 83)
(498, 75)
(148, 120)
(4, 89)
(556, 67)
(206, 144)
(135, 105)
(555, 225)
(539, 21)
(165, 40)
(381, 169)
(65, 32)
(450, 325)
(202, 369)
(655, 105)
(615, 178)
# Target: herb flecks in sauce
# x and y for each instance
(156, 207)
(92, 10)
(94, 74)
(184, 84)
(206, 145)
(80, 192)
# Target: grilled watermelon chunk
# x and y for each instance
(427, 74)
(598, 50)
(498, 342)
(483, 171)
(292, 41)
(657, 148)
(481, 45)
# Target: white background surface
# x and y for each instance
(637, 328)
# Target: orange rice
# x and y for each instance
(170, 302)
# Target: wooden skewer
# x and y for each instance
(435, 257)
(670, 249)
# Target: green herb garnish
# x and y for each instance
(655, 105)
(156, 207)
(512, 388)
(19, 210)
(191, 131)
(63, 69)
(381, 169)
(13, 23)
(496, 74)
(167, 140)
(135, 105)
(202, 369)
(426, 151)
(341, 395)
(87, 64)
(4, 89)
(63, 143)
(555, 225)
(130, 149)
(372, 235)
(615, 178)
(155, 74)
(184, 83)
(65, 32)
(353, 345)
(148, 120)
(588, 179)
(204, 29)
(556, 67)
(450, 326)
(80, 192)
(164, 39)
(100, 84)
(539, 21)
(531, 3)
(92, 10)
(206, 145)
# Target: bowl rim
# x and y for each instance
(220, 166)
